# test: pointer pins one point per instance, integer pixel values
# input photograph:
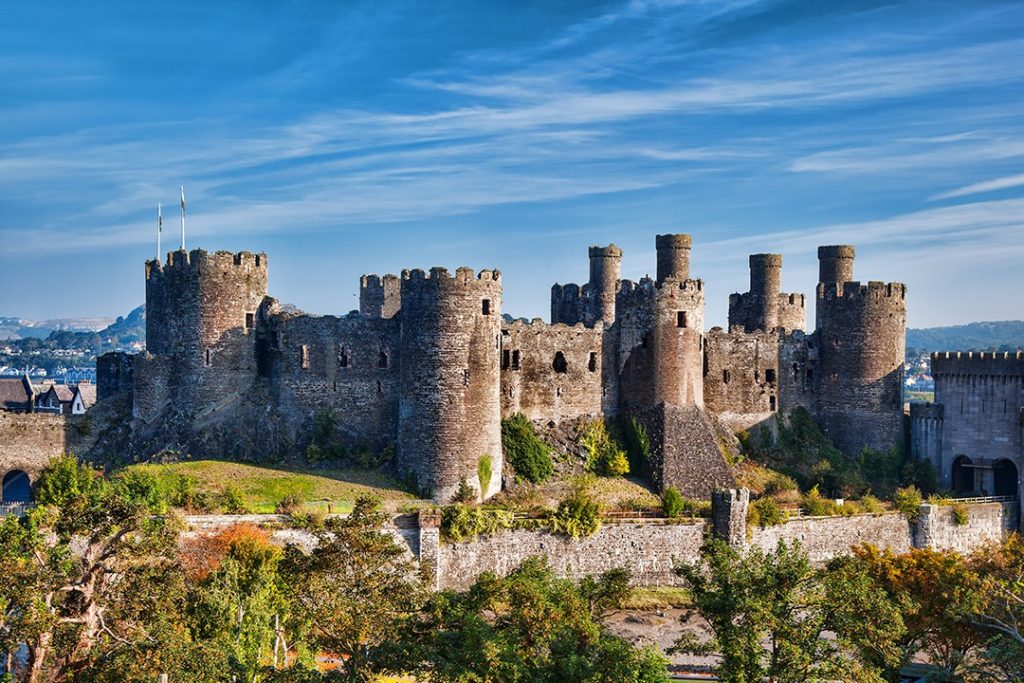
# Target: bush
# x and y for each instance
(484, 472)
(464, 494)
(961, 515)
(815, 505)
(578, 515)
(908, 501)
(605, 457)
(638, 445)
(871, 504)
(526, 453)
(460, 522)
(233, 502)
(765, 512)
(288, 505)
(672, 502)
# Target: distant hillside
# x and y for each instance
(1006, 335)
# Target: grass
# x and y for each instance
(263, 487)
(919, 396)
(613, 493)
(656, 597)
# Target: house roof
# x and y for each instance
(88, 394)
(65, 393)
(15, 393)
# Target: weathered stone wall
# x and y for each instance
(981, 398)
(350, 364)
(647, 549)
(986, 523)
(741, 376)
(380, 297)
(823, 538)
(926, 426)
(568, 303)
(449, 413)
(861, 337)
(554, 372)
(28, 441)
(685, 450)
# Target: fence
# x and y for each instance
(16, 509)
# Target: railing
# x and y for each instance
(985, 499)
(16, 509)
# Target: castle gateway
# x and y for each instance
(429, 364)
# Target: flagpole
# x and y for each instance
(183, 218)
(159, 229)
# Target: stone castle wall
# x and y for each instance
(380, 297)
(28, 441)
(555, 372)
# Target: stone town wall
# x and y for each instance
(986, 523)
(29, 440)
(826, 537)
(554, 372)
(648, 549)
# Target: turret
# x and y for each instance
(835, 263)
(673, 256)
(380, 297)
(449, 413)
(605, 271)
(765, 306)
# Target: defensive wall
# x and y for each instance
(28, 441)
(651, 547)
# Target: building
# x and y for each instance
(429, 364)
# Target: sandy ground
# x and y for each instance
(660, 628)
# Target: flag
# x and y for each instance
(159, 219)
(182, 197)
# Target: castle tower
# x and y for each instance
(673, 256)
(605, 271)
(861, 336)
(449, 413)
(200, 328)
(765, 306)
(380, 297)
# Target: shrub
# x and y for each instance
(765, 512)
(464, 494)
(815, 505)
(961, 515)
(871, 504)
(605, 457)
(638, 445)
(578, 515)
(460, 522)
(288, 505)
(672, 502)
(526, 453)
(233, 502)
(908, 501)
(484, 472)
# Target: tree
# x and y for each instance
(63, 562)
(769, 611)
(355, 589)
(1001, 615)
(528, 626)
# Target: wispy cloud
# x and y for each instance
(986, 186)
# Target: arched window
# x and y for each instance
(16, 487)
(1004, 474)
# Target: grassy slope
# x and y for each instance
(263, 487)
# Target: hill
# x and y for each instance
(1006, 335)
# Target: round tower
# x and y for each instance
(200, 315)
(605, 271)
(449, 413)
(673, 256)
(861, 339)
(765, 287)
(835, 263)
(678, 342)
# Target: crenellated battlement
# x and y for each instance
(438, 274)
(926, 411)
(855, 291)
(374, 280)
(200, 260)
(978, 363)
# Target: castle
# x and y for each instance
(429, 363)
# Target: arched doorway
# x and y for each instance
(963, 475)
(1004, 474)
(16, 487)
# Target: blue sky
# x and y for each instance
(344, 138)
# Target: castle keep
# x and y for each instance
(430, 365)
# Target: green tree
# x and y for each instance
(528, 626)
(525, 452)
(769, 611)
(355, 589)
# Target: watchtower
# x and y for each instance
(765, 306)
(605, 271)
(673, 256)
(449, 413)
(380, 297)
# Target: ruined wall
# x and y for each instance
(861, 337)
(450, 382)
(685, 450)
(648, 549)
(568, 303)
(741, 376)
(28, 441)
(349, 364)
(986, 523)
(554, 372)
(982, 401)
(380, 297)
